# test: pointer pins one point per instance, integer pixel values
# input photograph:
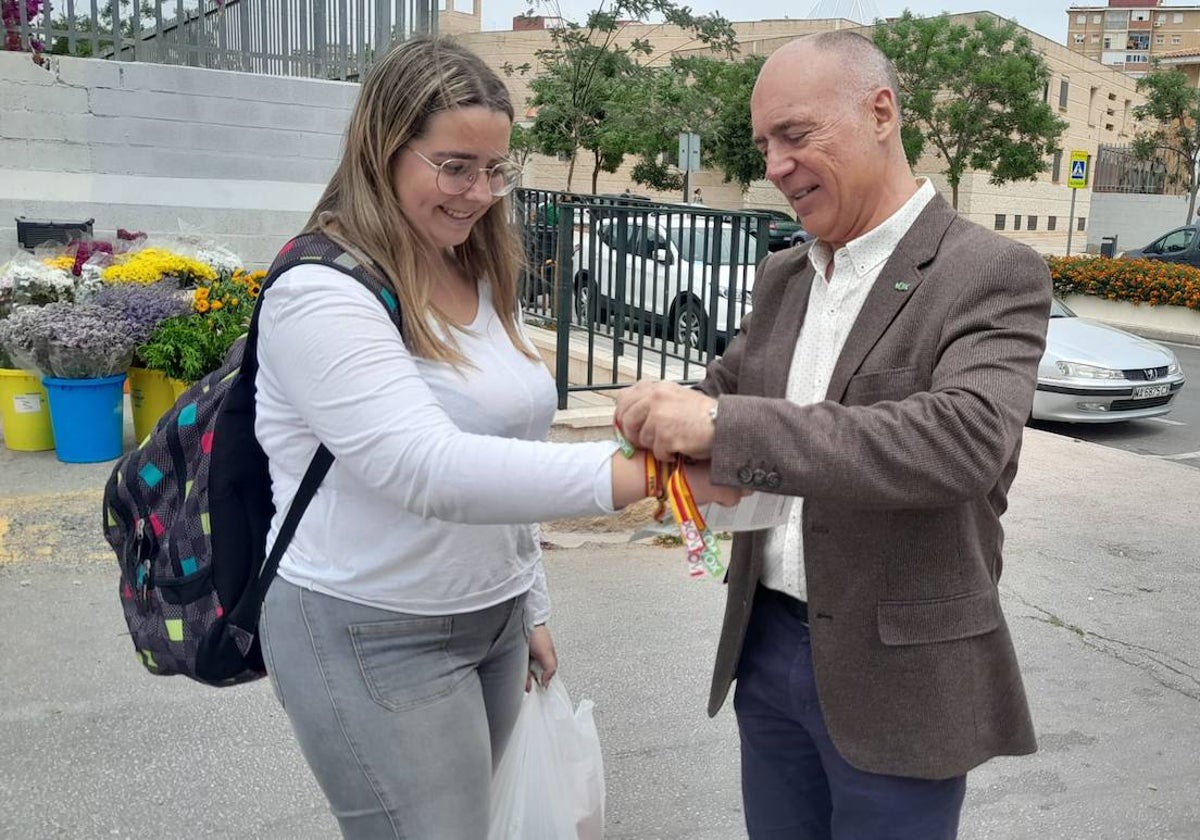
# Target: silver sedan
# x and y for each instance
(1094, 373)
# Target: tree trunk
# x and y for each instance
(954, 194)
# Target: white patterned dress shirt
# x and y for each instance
(833, 307)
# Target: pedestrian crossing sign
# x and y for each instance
(1079, 170)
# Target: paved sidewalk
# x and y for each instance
(1101, 591)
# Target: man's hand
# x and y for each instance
(667, 419)
(541, 655)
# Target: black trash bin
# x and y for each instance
(1108, 246)
(34, 232)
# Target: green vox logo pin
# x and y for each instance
(901, 287)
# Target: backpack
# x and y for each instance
(188, 511)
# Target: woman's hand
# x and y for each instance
(541, 655)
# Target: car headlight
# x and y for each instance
(1173, 366)
(1078, 370)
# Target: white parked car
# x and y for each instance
(1094, 373)
(690, 274)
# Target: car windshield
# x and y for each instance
(1058, 309)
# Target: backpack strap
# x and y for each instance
(315, 249)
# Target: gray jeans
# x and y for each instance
(401, 717)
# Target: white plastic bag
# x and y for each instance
(549, 784)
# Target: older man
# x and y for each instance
(882, 380)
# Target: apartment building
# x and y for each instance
(1130, 34)
(1095, 100)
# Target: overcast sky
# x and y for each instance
(1045, 18)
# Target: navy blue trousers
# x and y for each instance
(795, 784)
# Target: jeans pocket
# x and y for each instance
(405, 662)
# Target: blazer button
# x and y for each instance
(745, 475)
(773, 479)
(760, 478)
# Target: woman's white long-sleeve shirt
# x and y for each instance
(439, 472)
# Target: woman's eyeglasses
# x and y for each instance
(455, 176)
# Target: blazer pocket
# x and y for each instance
(939, 619)
(880, 385)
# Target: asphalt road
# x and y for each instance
(1175, 437)
(1101, 576)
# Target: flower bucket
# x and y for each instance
(179, 388)
(88, 417)
(25, 410)
(150, 397)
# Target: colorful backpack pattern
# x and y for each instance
(188, 511)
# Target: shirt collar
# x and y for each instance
(876, 245)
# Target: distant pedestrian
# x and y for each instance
(697, 196)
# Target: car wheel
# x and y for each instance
(588, 308)
(689, 324)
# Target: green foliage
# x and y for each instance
(189, 347)
(102, 25)
(586, 79)
(972, 95)
(1172, 112)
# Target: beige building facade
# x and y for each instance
(1095, 100)
(1129, 35)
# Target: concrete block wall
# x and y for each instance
(242, 158)
(1135, 220)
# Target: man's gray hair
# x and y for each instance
(865, 63)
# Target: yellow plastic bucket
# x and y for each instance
(25, 410)
(150, 396)
(179, 387)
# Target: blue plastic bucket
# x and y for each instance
(88, 416)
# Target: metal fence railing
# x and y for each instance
(635, 288)
(327, 39)
(1119, 170)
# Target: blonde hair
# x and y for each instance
(413, 82)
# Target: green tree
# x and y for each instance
(1172, 111)
(973, 94)
(84, 24)
(584, 78)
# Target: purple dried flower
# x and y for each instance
(69, 340)
(144, 306)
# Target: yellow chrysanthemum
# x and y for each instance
(201, 305)
(63, 263)
(153, 264)
(216, 304)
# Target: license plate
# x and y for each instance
(1144, 392)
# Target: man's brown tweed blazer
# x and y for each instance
(905, 469)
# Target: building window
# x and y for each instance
(1079, 39)
(1108, 126)
(1082, 223)
(1092, 105)
(1136, 58)
(1137, 41)
(1160, 18)
(1016, 222)
(1116, 20)
(1056, 167)
(1107, 42)
(1081, 19)
(1095, 18)
(1140, 14)
(1095, 39)
(1176, 39)
(1051, 222)
(1175, 18)
(1031, 222)
(1159, 40)
(1064, 89)
(1000, 217)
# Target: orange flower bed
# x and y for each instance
(1137, 281)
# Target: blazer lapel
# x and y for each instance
(786, 333)
(896, 284)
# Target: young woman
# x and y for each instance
(399, 632)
